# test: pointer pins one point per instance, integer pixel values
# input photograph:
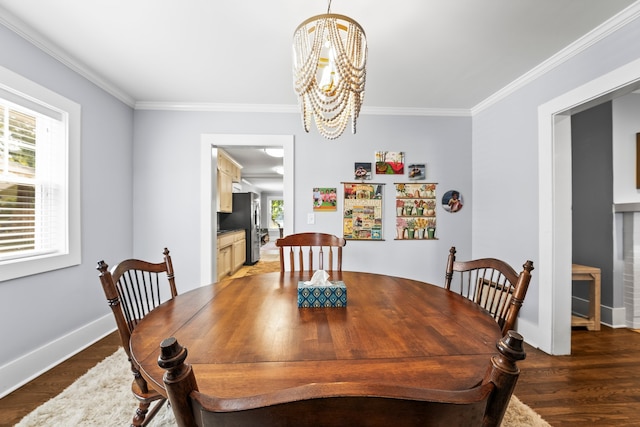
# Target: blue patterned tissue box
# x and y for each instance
(334, 295)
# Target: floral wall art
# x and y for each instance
(415, 211)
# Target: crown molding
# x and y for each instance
(414, 111)
(275, 108)
(209, 106)
(618, 21)
(28, 33)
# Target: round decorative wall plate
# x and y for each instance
(452, 201)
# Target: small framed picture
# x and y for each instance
(417, 171)
(389, 162)
(325, 199)
(362, 170)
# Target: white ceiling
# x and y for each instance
(424, 55)
(258, 168)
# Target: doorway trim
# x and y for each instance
(208, 185)
(554, 209)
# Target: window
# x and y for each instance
(39, 179)
(276, 213)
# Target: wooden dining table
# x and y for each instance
(247, 336)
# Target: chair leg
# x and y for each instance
(141, 414)
(144, 415)
(153, 411)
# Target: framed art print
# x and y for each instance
(362, 214)
(325, 199)
(417, 171)
(362, 170)
(389, 162)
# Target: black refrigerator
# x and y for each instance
(245, 215)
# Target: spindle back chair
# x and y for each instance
(133, 288)
(492, 284)
(322, 252)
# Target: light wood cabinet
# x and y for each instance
(239, 252)
(237, 174)
(225, 193)
(229, 171)
(224, 262)
(231, 253)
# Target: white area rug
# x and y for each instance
(102, 397)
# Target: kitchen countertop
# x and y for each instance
(221, 232)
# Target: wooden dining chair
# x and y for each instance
(345, 403)
(322, 252)
(133, 288)
(492, 284)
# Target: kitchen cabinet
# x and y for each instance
(229, 171)
(224, 262)
(225, 193)
(239, 252)
(231, 253)
(229, 165)
(236, 172)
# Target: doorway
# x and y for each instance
(554, 186)
(208, 182)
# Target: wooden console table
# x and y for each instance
(591, 275)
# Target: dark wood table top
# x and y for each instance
(247, 336)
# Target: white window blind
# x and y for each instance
(39, 174)
(29, 200)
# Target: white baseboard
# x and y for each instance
(617, 316)
(529, 331)
(613, 317)
(24, 369)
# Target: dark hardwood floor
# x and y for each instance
(16, 405)
(598, 385)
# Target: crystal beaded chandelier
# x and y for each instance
(329, 66)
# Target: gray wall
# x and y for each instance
(443, 143)
(505, 156)
(592, 196)
(51, 307)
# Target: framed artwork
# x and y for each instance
(390, 162)
(325, 199)
(452, 201)
(415, 211)
(362, 214)
(362, 170)
(417, 171)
